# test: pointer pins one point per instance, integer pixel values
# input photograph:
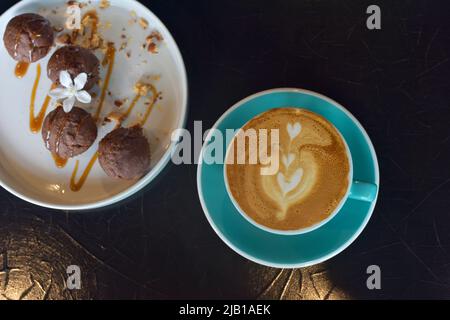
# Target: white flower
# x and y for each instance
(72, 90)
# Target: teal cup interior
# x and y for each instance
(318, 245)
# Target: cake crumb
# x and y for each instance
(153, 48)
(133, 19)
(155, 35)
(104, 4)
(154, 77)
(151, 40)
(63, 39)
(114, 116)
(123, 46)
(143, 23)
(58, 29)
(142, 88)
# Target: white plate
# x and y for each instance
(27, 168)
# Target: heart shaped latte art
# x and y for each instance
(287, 160)
(288, 185)
(294, 129)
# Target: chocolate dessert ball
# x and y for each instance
(75, 60)
(28, 37)
(69, 134)
(125, 153)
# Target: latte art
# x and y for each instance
(312, 178)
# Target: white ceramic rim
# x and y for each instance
(161, 163)
(302, 230)
(289, 265)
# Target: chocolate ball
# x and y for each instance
(28, 37)
(75, 60)
(69, 134)
(125, 153)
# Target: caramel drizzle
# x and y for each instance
(131, 107)
(60, 162)
(155, 96)
(21, 69)
(108, 60)
(36, 121)
(94, 18)
(76, 186)
(136, 99)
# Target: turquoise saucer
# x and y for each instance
(289, 251)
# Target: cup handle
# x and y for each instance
(363, 191)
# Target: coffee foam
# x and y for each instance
(313, 175)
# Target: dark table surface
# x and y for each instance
(158, 244)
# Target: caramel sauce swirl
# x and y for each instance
(107, 61)
(37, 121)
(155, 96)
(76, 186)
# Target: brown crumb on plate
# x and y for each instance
(104, 4)
(63, 39)
(143, 23)
(152, 42)
(123, 46)
(58, 29)
(153, 48)
(142, 88)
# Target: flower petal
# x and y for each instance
(65, 79)
(80, 81)
(59, 93)
(83, 96)
(68, 104)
